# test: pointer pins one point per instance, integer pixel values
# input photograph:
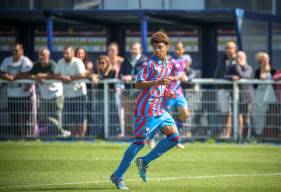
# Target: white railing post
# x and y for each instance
(105, 108)
(235, 110)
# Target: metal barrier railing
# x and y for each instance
(215, 108)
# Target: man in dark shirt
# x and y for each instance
(51, 94)
(129, 67)
(224, 91)
(128, 73)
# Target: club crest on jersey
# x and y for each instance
(147, 130)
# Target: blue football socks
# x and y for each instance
(163, 146)
(129, 155)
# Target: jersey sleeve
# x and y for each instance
(3, 66)
(27, 65)
(188, 58)
(144, 72)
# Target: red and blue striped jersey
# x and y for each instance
(178, 68)
(151, 101)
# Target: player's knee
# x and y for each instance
(183, 115)
(172, 134)
(169, 130)
(174, 137)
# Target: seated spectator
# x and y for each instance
(19, 95)
(51, 94)
(71, 71)
(265, 108)
(241, 70)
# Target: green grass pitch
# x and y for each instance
(84, 166)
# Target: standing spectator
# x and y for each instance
(51, 94)
(130, 66)
(71, 71)
(277, 77)
(128, 73)
(224, 92)
(116, 61)
(82, 54)
(241, 70)
(19, 95)
(265, 108)
(103, 71)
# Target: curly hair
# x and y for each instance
(159, 37)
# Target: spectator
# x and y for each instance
(51, 94)
(265, 71)
(19, 95)
(265, 108)
(224, 92)
(128, 73)
(103, 71)
(82, 54)
(116, 61)
(71, 71)
(277, 77)
(241, 70)
(129, 67)
(189, 72)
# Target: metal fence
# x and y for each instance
(216, 110)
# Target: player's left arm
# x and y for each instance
(181, 77)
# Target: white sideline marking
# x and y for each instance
(152, 179)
